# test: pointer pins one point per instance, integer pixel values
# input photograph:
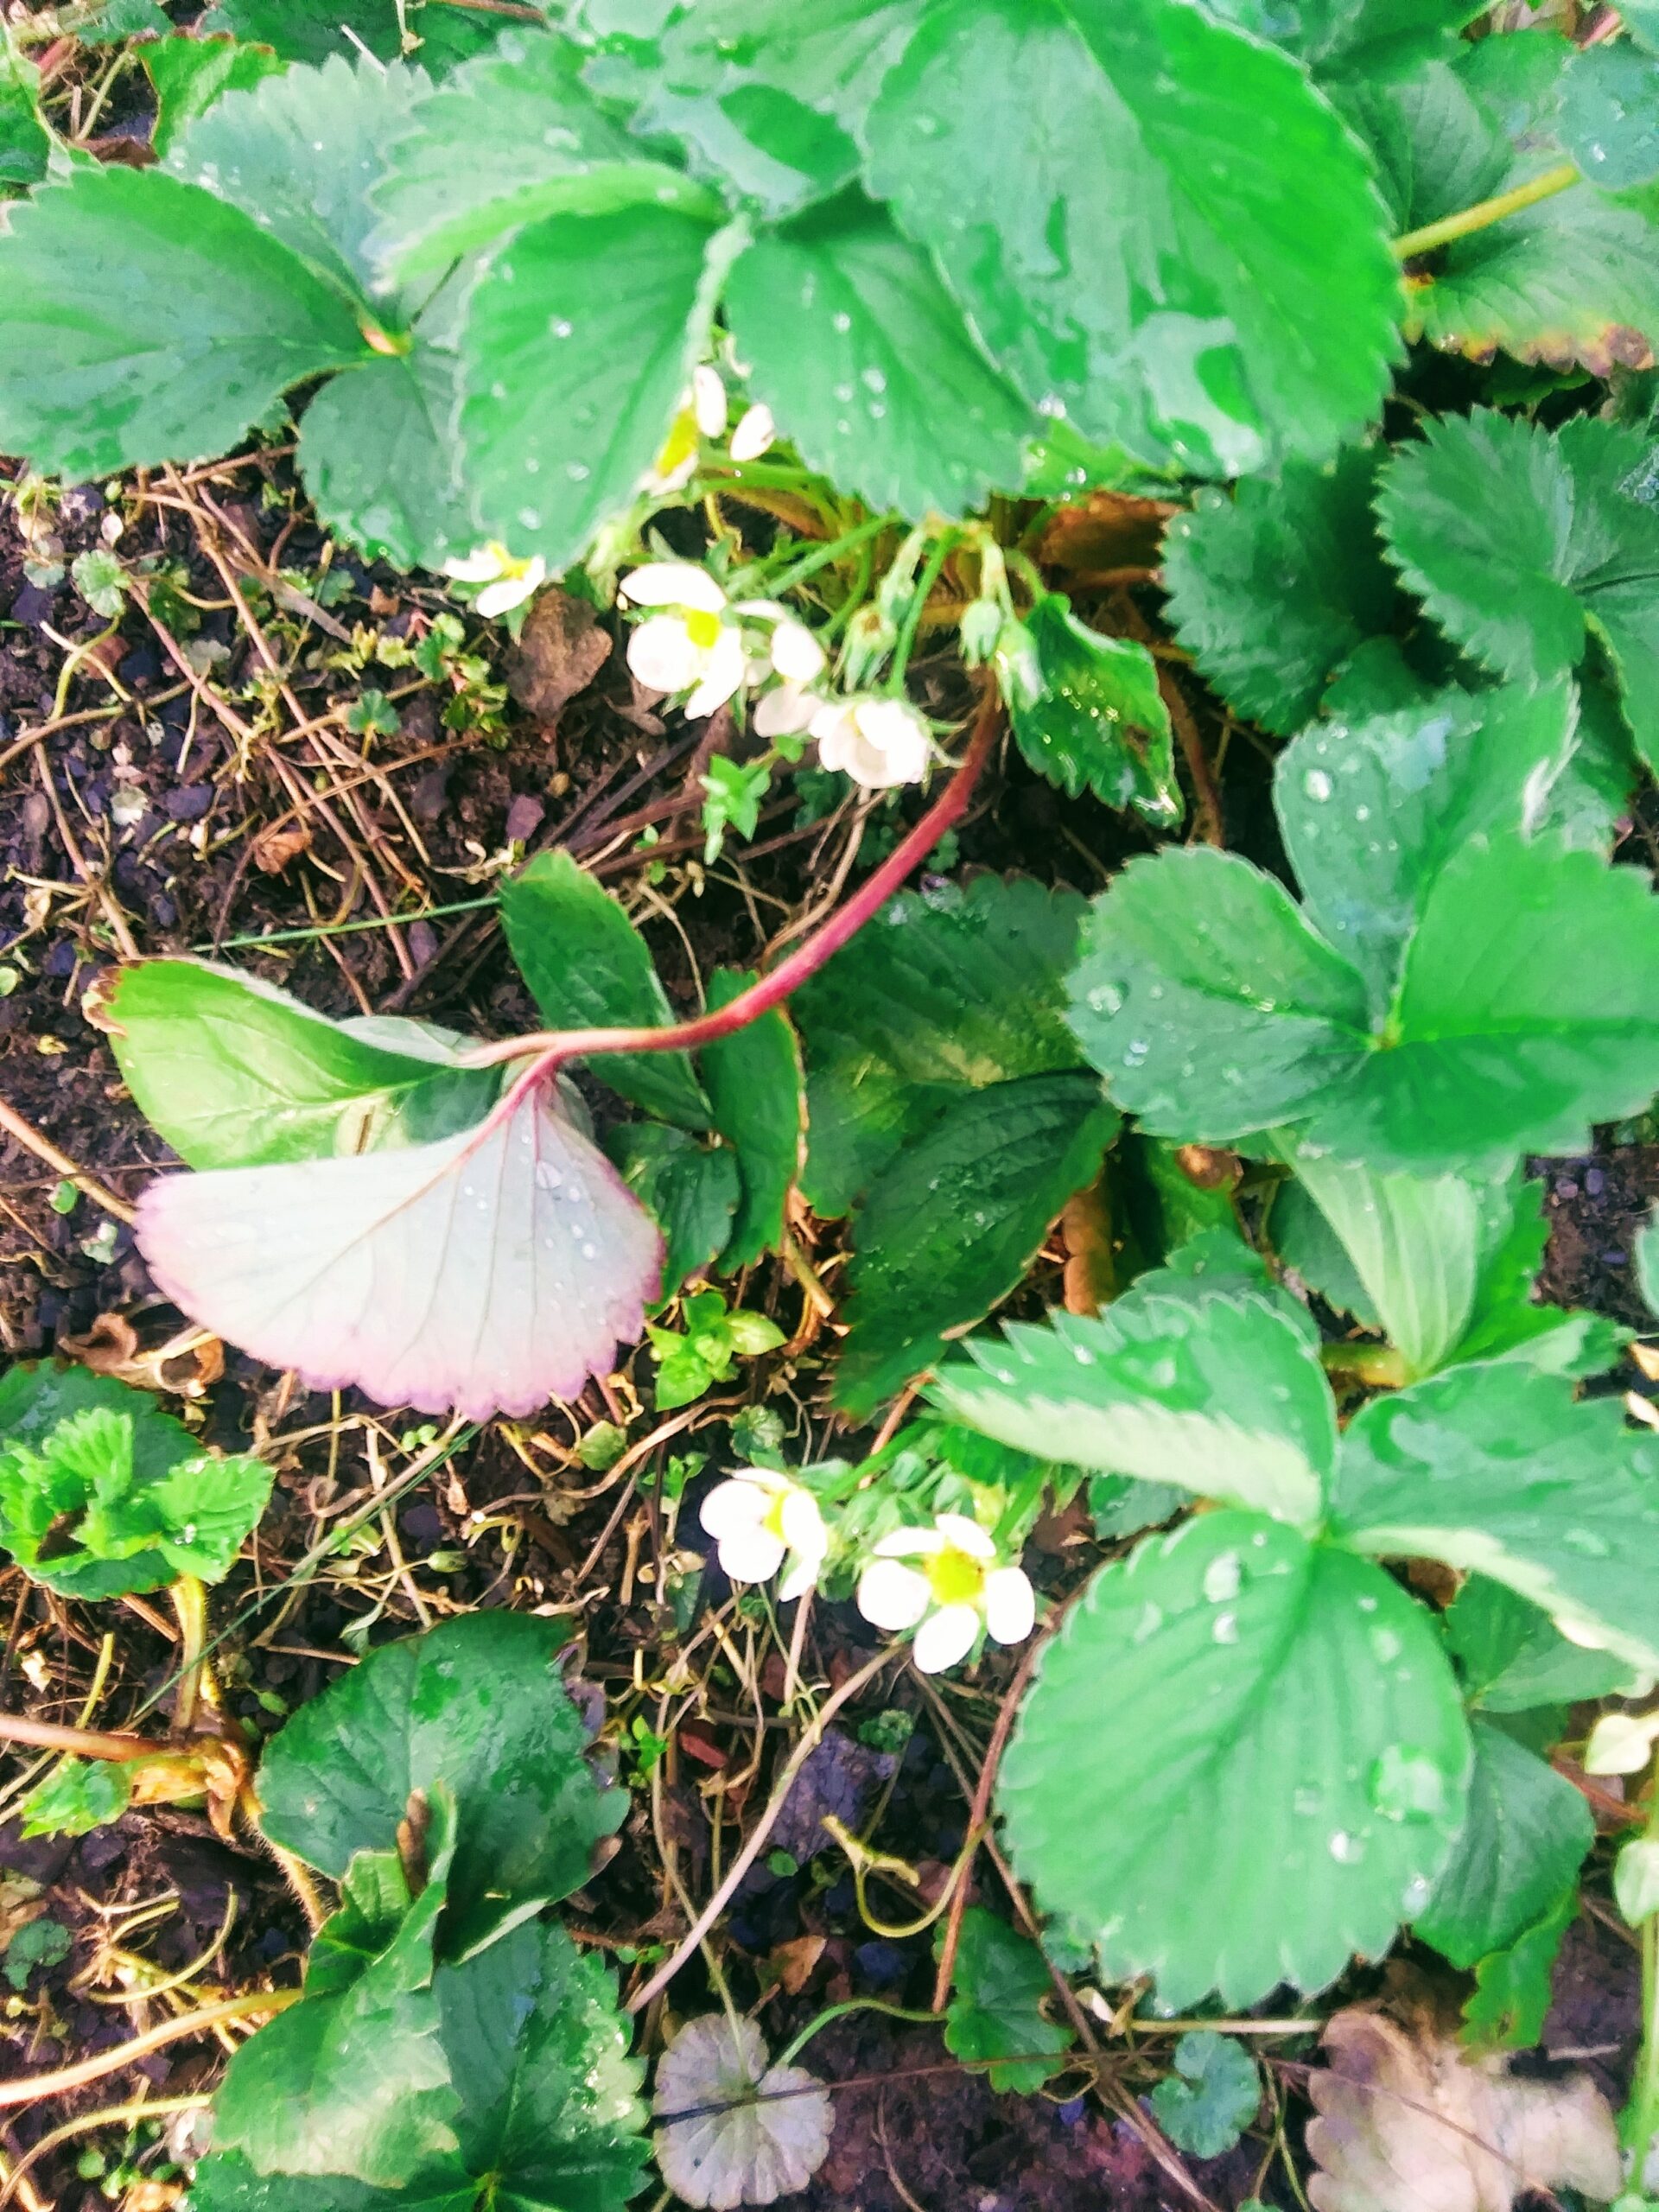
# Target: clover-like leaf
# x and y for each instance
(1099, 722)
(997, 1989)
(731, 2129)
(1216, 1391)
(1209, 2100)
(477, 1702)
(1274, 1782)
(1166, 142)
(489, 1272)
(1495, 1467)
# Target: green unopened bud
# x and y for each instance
(980, 628)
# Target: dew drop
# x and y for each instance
(1316, 784)
(1222, 1578)
(1406, 1784)
(1347, 1850)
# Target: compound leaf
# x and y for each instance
(997, 1990)
(1526, 1836)
(477, 1703)
(1167, 144)
(1274, 1782)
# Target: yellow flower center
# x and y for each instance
(955, 1577)
(702, 627)
(773, 1522)
(681, 442)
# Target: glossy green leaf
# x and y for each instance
(353, 2080)
(952, 1224)
(868, 366)
(581, 339)
(1506, 2009)
(1513, 1658)
(77, 1796)
(1641, 19)
(1525, 544)
(832, 57)
(102, 1493)
(588, 968)
(1610, 115)
(1526, 1836)
(23, 143)
(754, 1086)
(312, 31)
(141, 320)
(1496, 1468)
(1216, 1391)
(476, 1702)
(947, 991)
(1303, 546)
(510, 138)
(300, 152)
(234, 1073)
(1100, 723)
(1274, 1782)
(1305, 1242)
(1166, 143)
(998, 1988)
(689, 1190)
(1507, 1322)
(1206, 2104)
(379, 458)
(190, 73)
(1342, 38)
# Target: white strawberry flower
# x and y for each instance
(507, 580)
(955, 1589)
(759, 1519)
(787, 711)
(879, 742)
(754, 434)
(697, 643)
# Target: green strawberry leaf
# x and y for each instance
(1206, 2104)
(947, 991)
(868, 366)
(1496, 1468)
(477, 1703)
(1343, 40)
(831, 57)
(512, 138)
(581, 339)
(1215, 1390)
(1304, 545)
(1512, 1658)
(380, 461)
(1099, 722)
(689, 1190)
(950, 1225)
(313, 30)
(234, 1073)
(24, 145)
(76, 1797)
(143, 320)
(1526, 1836)
(189, 73)
(588, 968)
(1060, 241)
(1527, 543)
(1274, 1782)
(1306, 1245)
(353, 2079)
(998, 1987)
(754, 1086)
(1506, 2009)
(1609, 117)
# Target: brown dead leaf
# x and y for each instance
(1410, 2122)
(1108, 530)
(185, 1365)
(1091, 1267)
(794, 1964)
(275, 847)
(561, 651)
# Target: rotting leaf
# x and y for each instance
(751, 2132)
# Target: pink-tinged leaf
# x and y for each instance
(490, 1272)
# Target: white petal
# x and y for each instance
(785, 711)
(731, 1506)
(724, 666)
(909, 1543)
(672, 583)
(891, 1596)
(803, 1529)
(833, 720)
(898, 734)
(1010, 1604)
(754, 433)
(966, 1535)
(663, 656)
(762, 610)
(709, 400)
(801, 1578)
(944, 1637)
(510, 591)
(796, 653)
(751, 1555)
(477, 567)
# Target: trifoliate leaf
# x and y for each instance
(588, 968)
(488, 1272)
(1513, 1658)
(1525, 544)
(754, 1083)
(235, 1073)
(1526, 1836)
(1057, 243)
(868, 366)
(1099, 722)
(508, 139)
(949, 1226)
(1496, 1468)
(751, 2132)
(949, 991)
(477, 1702)
(998, 1987)
(1274, 1781)
(581, 339)
(689, 1190)
(1219, 1392)
(1610, 115)
(143, 320)
(1305, 546)
(1209, 2100)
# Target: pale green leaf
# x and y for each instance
(1527, 1834)
(1209, 2100)
(1610, 115)
(1274, 1782)
(77, 1796)
(997, 1991)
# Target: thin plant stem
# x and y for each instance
(78, 1742)
(792, 2051)
(65, 2078)
(821, 555)
(943, 548)
(1485, 212)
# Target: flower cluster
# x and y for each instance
(946, 1582)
